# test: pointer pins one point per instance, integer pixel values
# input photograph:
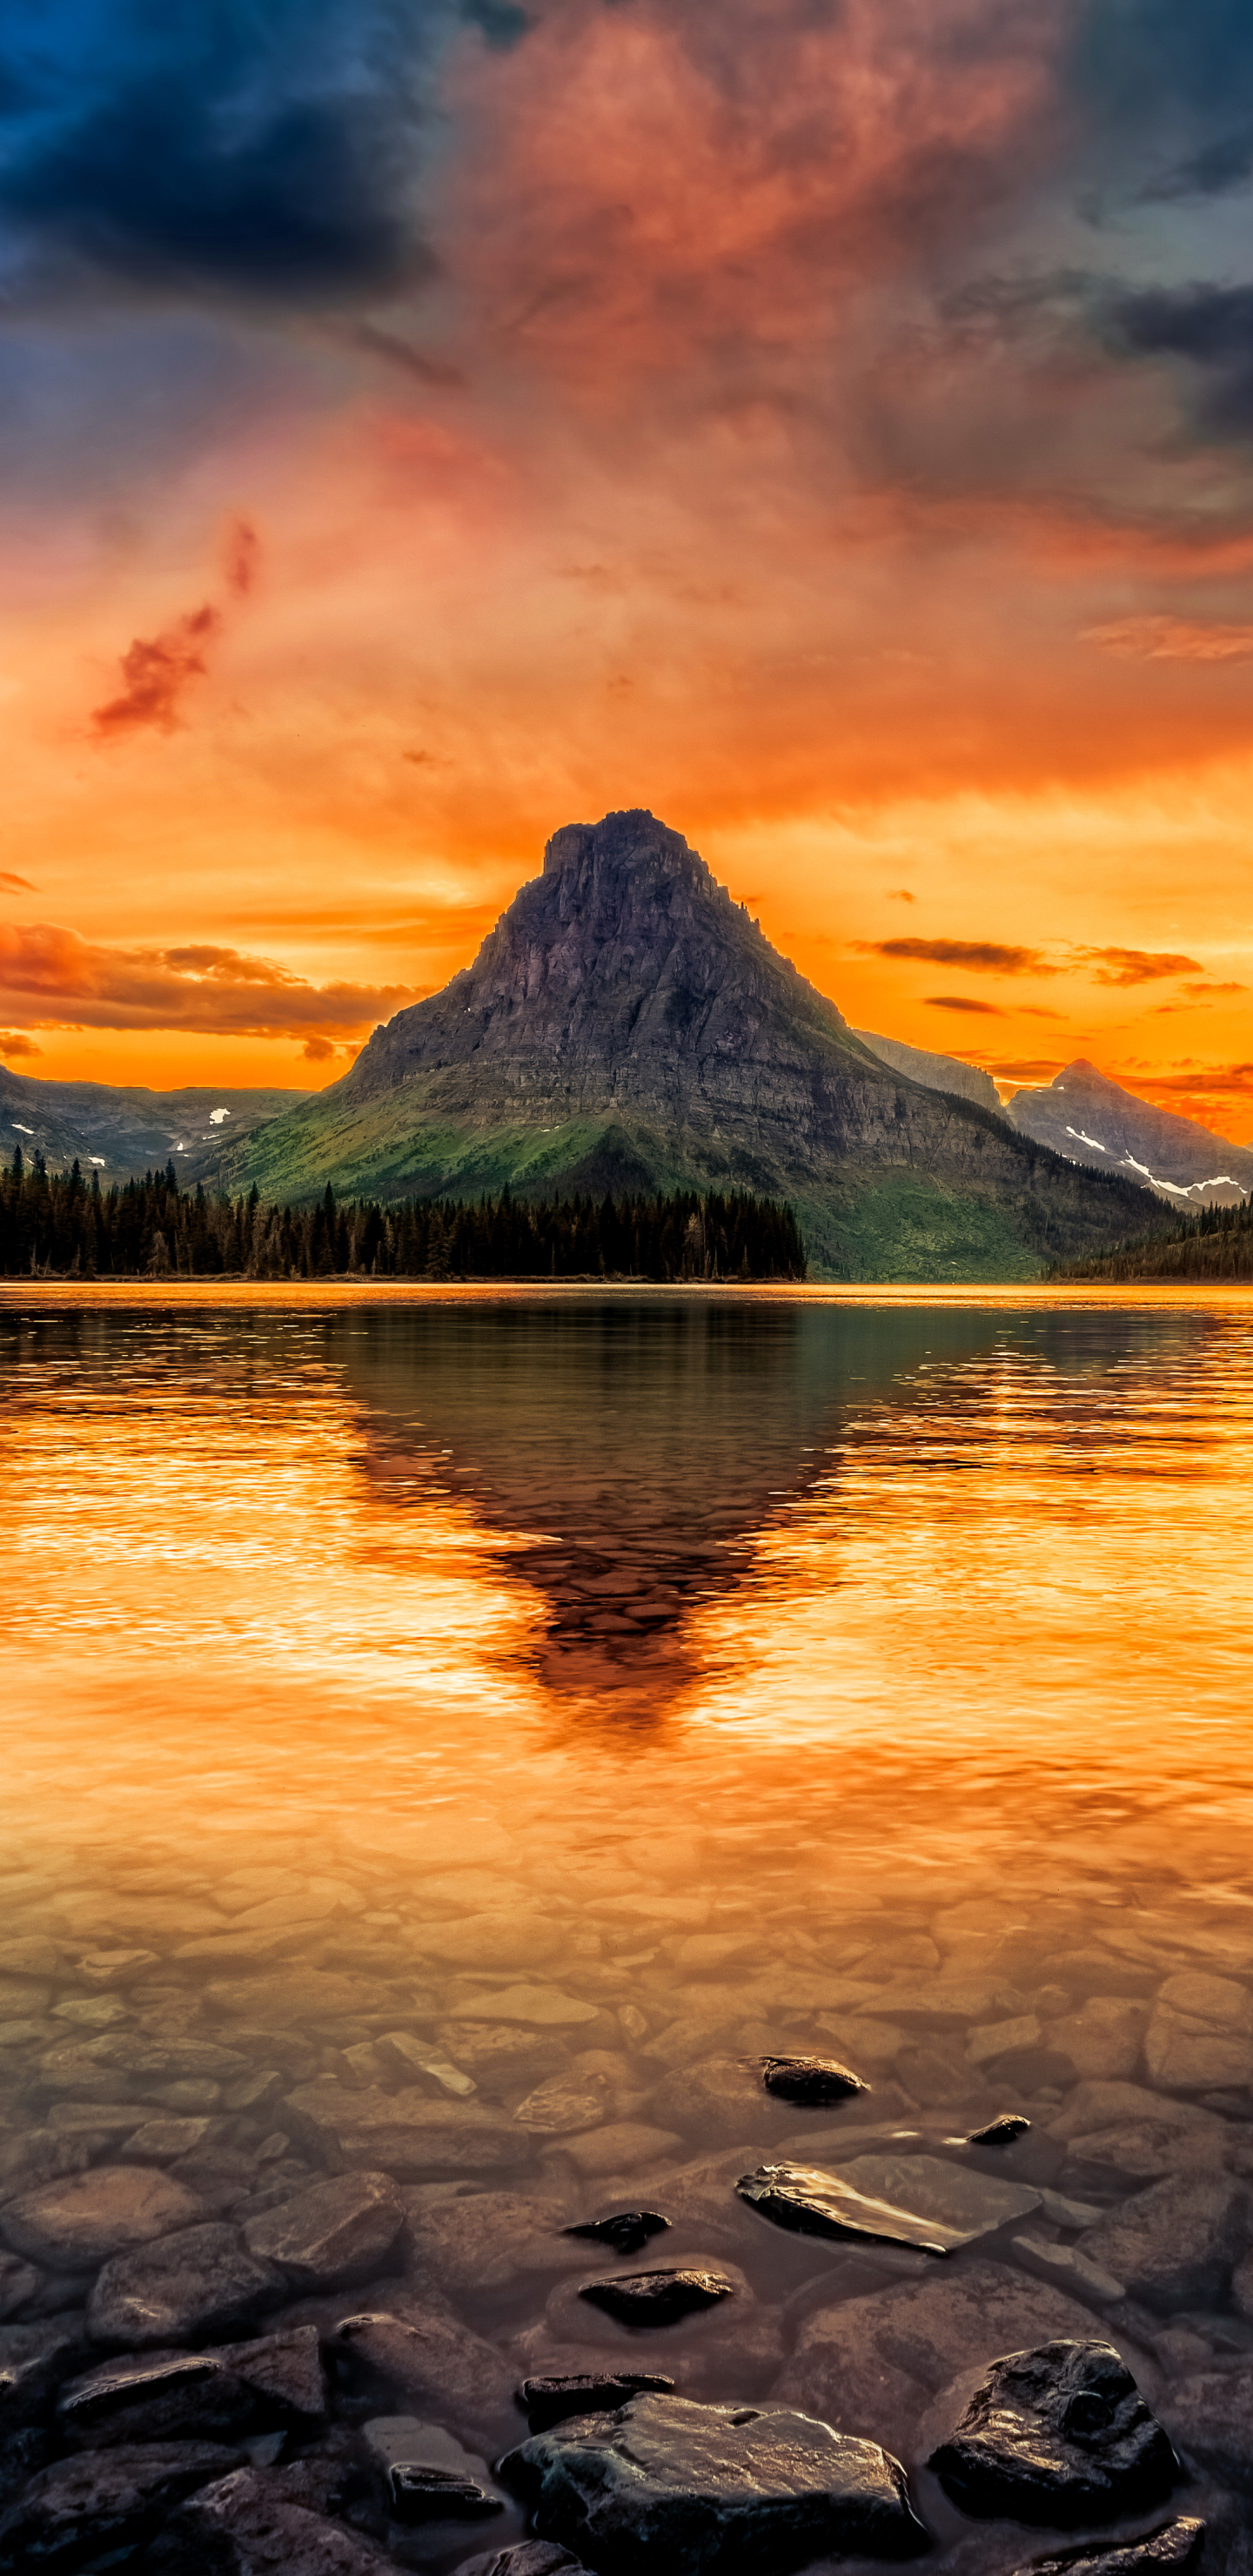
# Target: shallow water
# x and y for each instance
(616, 1688)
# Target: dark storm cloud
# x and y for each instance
(983, 956)
(255, 150)
(1210, 327)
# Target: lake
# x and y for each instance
(457, 1735)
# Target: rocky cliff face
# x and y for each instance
(935, 1072)
(1093, 1121)
(627, 1025)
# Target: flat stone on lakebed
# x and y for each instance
(897, 2200)
(711, 2490)
(81, 2220)
(810, 2080)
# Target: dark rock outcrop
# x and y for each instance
(553, 2401)
(106, 2500)
(712, 2490)
(657, 2298)
(810, 2080)
(1173, 2545)
(200, 2281)
(1057, 2437)
(626, 2231)
(245, 2525)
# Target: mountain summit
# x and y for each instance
(627, 1026)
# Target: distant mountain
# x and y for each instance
(122, 1132)
(936, 1072)
(1092, 1120)
(626, 1026)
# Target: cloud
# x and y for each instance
(978, 956)
(1172, 639)
(15, 885)
(1211, 327)
(15, 1044)
(219, 992)
(156, 672)
(242, 553)
(1201, 992)
(901, 894)
(958, 1002)
(1126, 966)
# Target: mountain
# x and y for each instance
(627, 1026)
(1093, 1121)
(935, 1072)
(121, 1132)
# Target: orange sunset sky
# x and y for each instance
(829, 425)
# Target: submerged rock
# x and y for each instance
(1059, 2436)
(525, 2558)
(562, 2105)
(245, 2525)
(552, 2401)
(1175, 2246)
(411, 2134)
(1175, 2545)
(156, 2399)
(708, 2490)
(333, 2234)
(83, 2219)
(202, 2281)
(896, 2200)
(656, 2298)
(34, 2359)
(1210, 2417)
(811, 2080)
(626, 2231)
(108, 2500)
(427, 2353)
(430, 2476)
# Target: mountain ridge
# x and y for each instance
(626, 1026)
(1091, 1119)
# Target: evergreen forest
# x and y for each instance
(1216, 1245)
(61, 1226)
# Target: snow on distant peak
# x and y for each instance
(97, 1158)
(1085, 1139)
(23, 1131)
(216, 1116)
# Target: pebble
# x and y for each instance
(562, 2106)
(627, 2231)
(657, 2298)
(552, 2400)
(810, 2080)
(1176, 2244)
(430, 2475)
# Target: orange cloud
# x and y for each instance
(980, 956)
(15, 885)
(1173, 639)
(215, 990)
(959, 1002)
(1125, 966)
(15, 1044)
(157, 672)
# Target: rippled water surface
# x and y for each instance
(604, 1691)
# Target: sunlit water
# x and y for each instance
(616, 1688)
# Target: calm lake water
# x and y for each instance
(599, 1692)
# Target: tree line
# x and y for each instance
(1215, 1245)
(59, 1225)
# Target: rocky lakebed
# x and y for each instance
(486, 2225)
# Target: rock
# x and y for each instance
(626, 2231)
(563, 2104)
(335, 2233)
(1216, 2000)
(430, 2477)
(80, 2508)
(160, 2141)
(526, 2558)
(872, 2362)
(286, 2371)
(811, 2080)
(202, 2281)
(997, 2039)
(544, 2006)
(86, 2218)
(1145, 2150)
(1242, 2287)
(30, 1958)
(1209, 2416)
(554, 2400)
(1175, 2245)
(427, 2353)
(1100, 2105)
(656, 2298)
(1000, 2132)
(410, 2134)
(246, 2525)
(116, 1967)
(34, 2359)
(1187, 2056)
(1175, 2545)
(1070, 2267)
(399, 2049)
(708, 2490)
(156, 2399)
(257, 2093)
(482, 2240)
(620, 2146)
(887, 2199)
(1059, 2436)
(19, 2284)
(1104, 2037)
(710, 2098)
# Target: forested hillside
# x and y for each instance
(61, 1226)
(1217, 1245)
